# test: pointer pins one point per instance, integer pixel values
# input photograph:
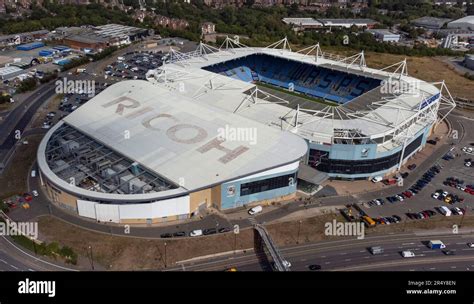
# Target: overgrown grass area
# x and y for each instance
(13, 180)
(52, 250)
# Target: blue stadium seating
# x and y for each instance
(306, 78)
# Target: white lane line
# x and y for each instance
(13, 266)
(303, 260)
(405, 244)
(3, 262)
(348, 260)
(29, 269)
(327, 263)
(362, 251)
(432, 268)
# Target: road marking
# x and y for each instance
(404, 244)
(3, 262)
(453, 267)
(348, 260)
(303, 260)
(327, 263)
(14, 267)
(432, 268)
(362, 251)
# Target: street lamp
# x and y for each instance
(299, 228)
(165, 256)
(92, 257)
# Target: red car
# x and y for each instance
(408, 194)
(28, 197)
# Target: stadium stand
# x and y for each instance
(308, 79)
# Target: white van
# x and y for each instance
(377, 179)
(408, 254)
(445, 211)
(33, 173)
(255, 210)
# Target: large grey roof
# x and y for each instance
(172, 146)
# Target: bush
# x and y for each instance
(4, 98)
(29, 84)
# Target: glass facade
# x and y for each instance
(321, 161)
(267, 184)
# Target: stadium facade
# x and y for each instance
(153, 151)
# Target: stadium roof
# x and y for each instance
(229, 94)
(175, 137)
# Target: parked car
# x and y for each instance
(179, 234)
(35, 193)
(197, 232)
(412, 167)
(209, 231)
(224, 229)
(166, 235)
(255, 210)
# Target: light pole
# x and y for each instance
(165, 256)
(299, 228)
(92, 257)
(462, 218)
(406, 221)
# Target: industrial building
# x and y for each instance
(101, 37)
(384, 35)
(466, 23)
(430, 23)
(311, 23)
(9, 72)
(469, 61)
(162, 149)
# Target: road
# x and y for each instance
(14, 258)
(352, 254)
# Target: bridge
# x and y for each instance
(279, 263)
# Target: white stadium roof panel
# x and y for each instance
(175, 137)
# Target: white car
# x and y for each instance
(445, 193)
(435, 195)
(399, 197)
(35, 193)
(469, 150)
(470, 245)
(458, 211)
(408, 254)
(255, 210)
(197, 232)
(468, 164)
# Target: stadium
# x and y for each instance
(153, 151)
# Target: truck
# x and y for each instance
(436, 244)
